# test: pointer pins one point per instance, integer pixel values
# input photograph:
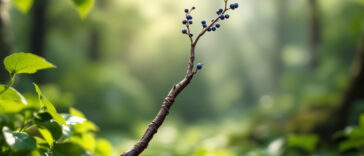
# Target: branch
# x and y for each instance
(163, 112)
(142, 144)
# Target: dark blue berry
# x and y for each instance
(193, 7)
(199, 65)
(189, 17)
(219, 11)
(203, 22)
(217, 25)
(204, 25)
(227, 16)
(191, 34)
(213, 28)
(184, 31)
(186, 10)
(222, 17)
(190, 22)
(236, 5)
(208, 29)
(184, 21)
(232, 6)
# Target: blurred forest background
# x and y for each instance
(280, 77)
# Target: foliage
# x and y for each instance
(38, 128)
(83, 6)
(305, 142)
(354, 136)
(23, 5)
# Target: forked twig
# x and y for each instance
(142, 144)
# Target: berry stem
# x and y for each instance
(212, 23)
(142, 144)
(176, 89)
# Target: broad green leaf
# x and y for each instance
(18, 141)
(69, 149)
(306, 142)
(351, 144)
(48, 107)
(23, 5)
(77, 125)
(86, 140)
(76, 112)
(25, 63)
(42, 148)
(73, 120)
(103, 148)
(47, 135)
(11, 101)
(86, 126)
(83, 6)
(53, 127)
(44, 116)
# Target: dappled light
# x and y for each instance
(264, 78)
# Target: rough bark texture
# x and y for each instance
(5, 46)
(142, 144)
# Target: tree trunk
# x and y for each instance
(37, 37)
(5, 46)
(38, 31)
(95, 35)
(314, 32)
(280, 28)
(338, 119)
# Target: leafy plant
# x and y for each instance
(37, 128)
(354, 137)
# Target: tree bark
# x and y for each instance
(279, 43)
(38, 31)
(315, 33)
(39, 28)
(5, 46)
(338, 119)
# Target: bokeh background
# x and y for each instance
(280, 77)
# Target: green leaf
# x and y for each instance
(48, 107)
(23, 5)
(18, 141)
(306, 142)
(83, 7)
(351, 144)
(47, 135)
(69, 149)
(11, 101)
(86, 140)
(76, 112)
(361, 121)
(53, 127)
(25, 63)
(103, 148)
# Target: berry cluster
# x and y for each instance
(209, 27)
(212, 26)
